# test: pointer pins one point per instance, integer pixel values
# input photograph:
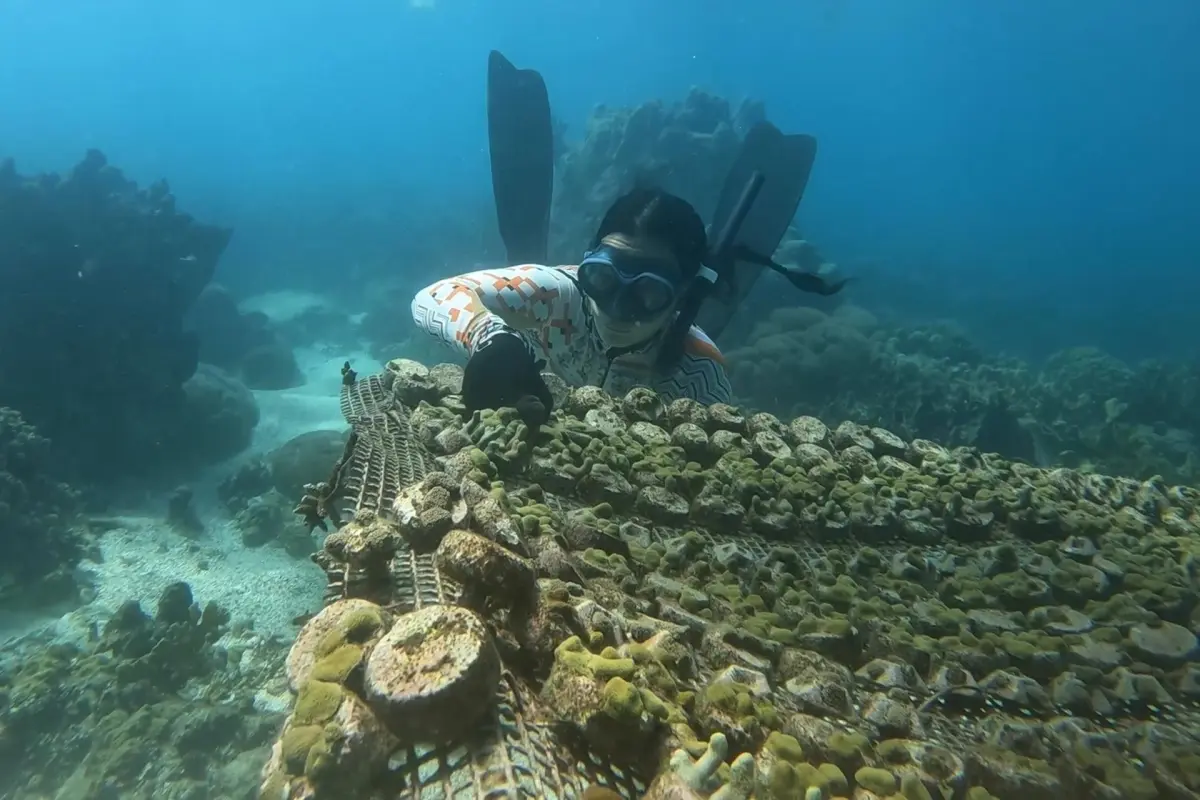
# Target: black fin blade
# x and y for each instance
(521, 144)
(786, 163)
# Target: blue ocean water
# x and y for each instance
(1028, 169)
(974, 489)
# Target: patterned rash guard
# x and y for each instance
(545, 306)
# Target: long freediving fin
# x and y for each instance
(521, 144)
(785, 162)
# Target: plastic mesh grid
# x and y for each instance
(509, 756)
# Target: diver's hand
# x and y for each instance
(501, 373)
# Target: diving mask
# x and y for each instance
(626, 287)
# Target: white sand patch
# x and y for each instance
(264, 587)
(287, 413)
(143, 554)
(285, 304)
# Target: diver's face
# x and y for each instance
(618, 334)
(631, 294)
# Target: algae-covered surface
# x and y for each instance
(642, 599)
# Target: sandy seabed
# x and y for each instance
(141, 554)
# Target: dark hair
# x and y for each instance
(663, 218)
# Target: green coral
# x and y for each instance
(833, 777)
(658, 709)
(1115, 771)
(621, 699)
(785, 747)
(738, 701)
(503, 441)
(297, 740)
(783, 781)
(603, 667)
(912, 788)
(337, 665)
(317, 703)
(847, 746)
(980, 793)
(355, 627)
(874, 779)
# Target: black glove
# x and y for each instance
(503, 373)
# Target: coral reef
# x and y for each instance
(1082, 408)
(142, 707)
(686, 147)
(695, 602)
(39, 535)
(98, 275)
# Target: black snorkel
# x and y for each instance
(720, 265)
(721, 261)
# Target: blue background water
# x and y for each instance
(1026, 167)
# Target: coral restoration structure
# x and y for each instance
(640, 600)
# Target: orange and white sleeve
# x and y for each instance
(467, 310)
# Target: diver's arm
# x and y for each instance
(468, 310)
(700, 374)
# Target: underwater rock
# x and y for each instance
(181, 514)
(368, 541)
(168, 650)
(696, 137)
(818, 684)
(251, 479)
(163, 680)
(218, 418)
(413, 382)
(494, 574)
(306, 458)
(225, 333)
(269, 518)
(271, 367)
